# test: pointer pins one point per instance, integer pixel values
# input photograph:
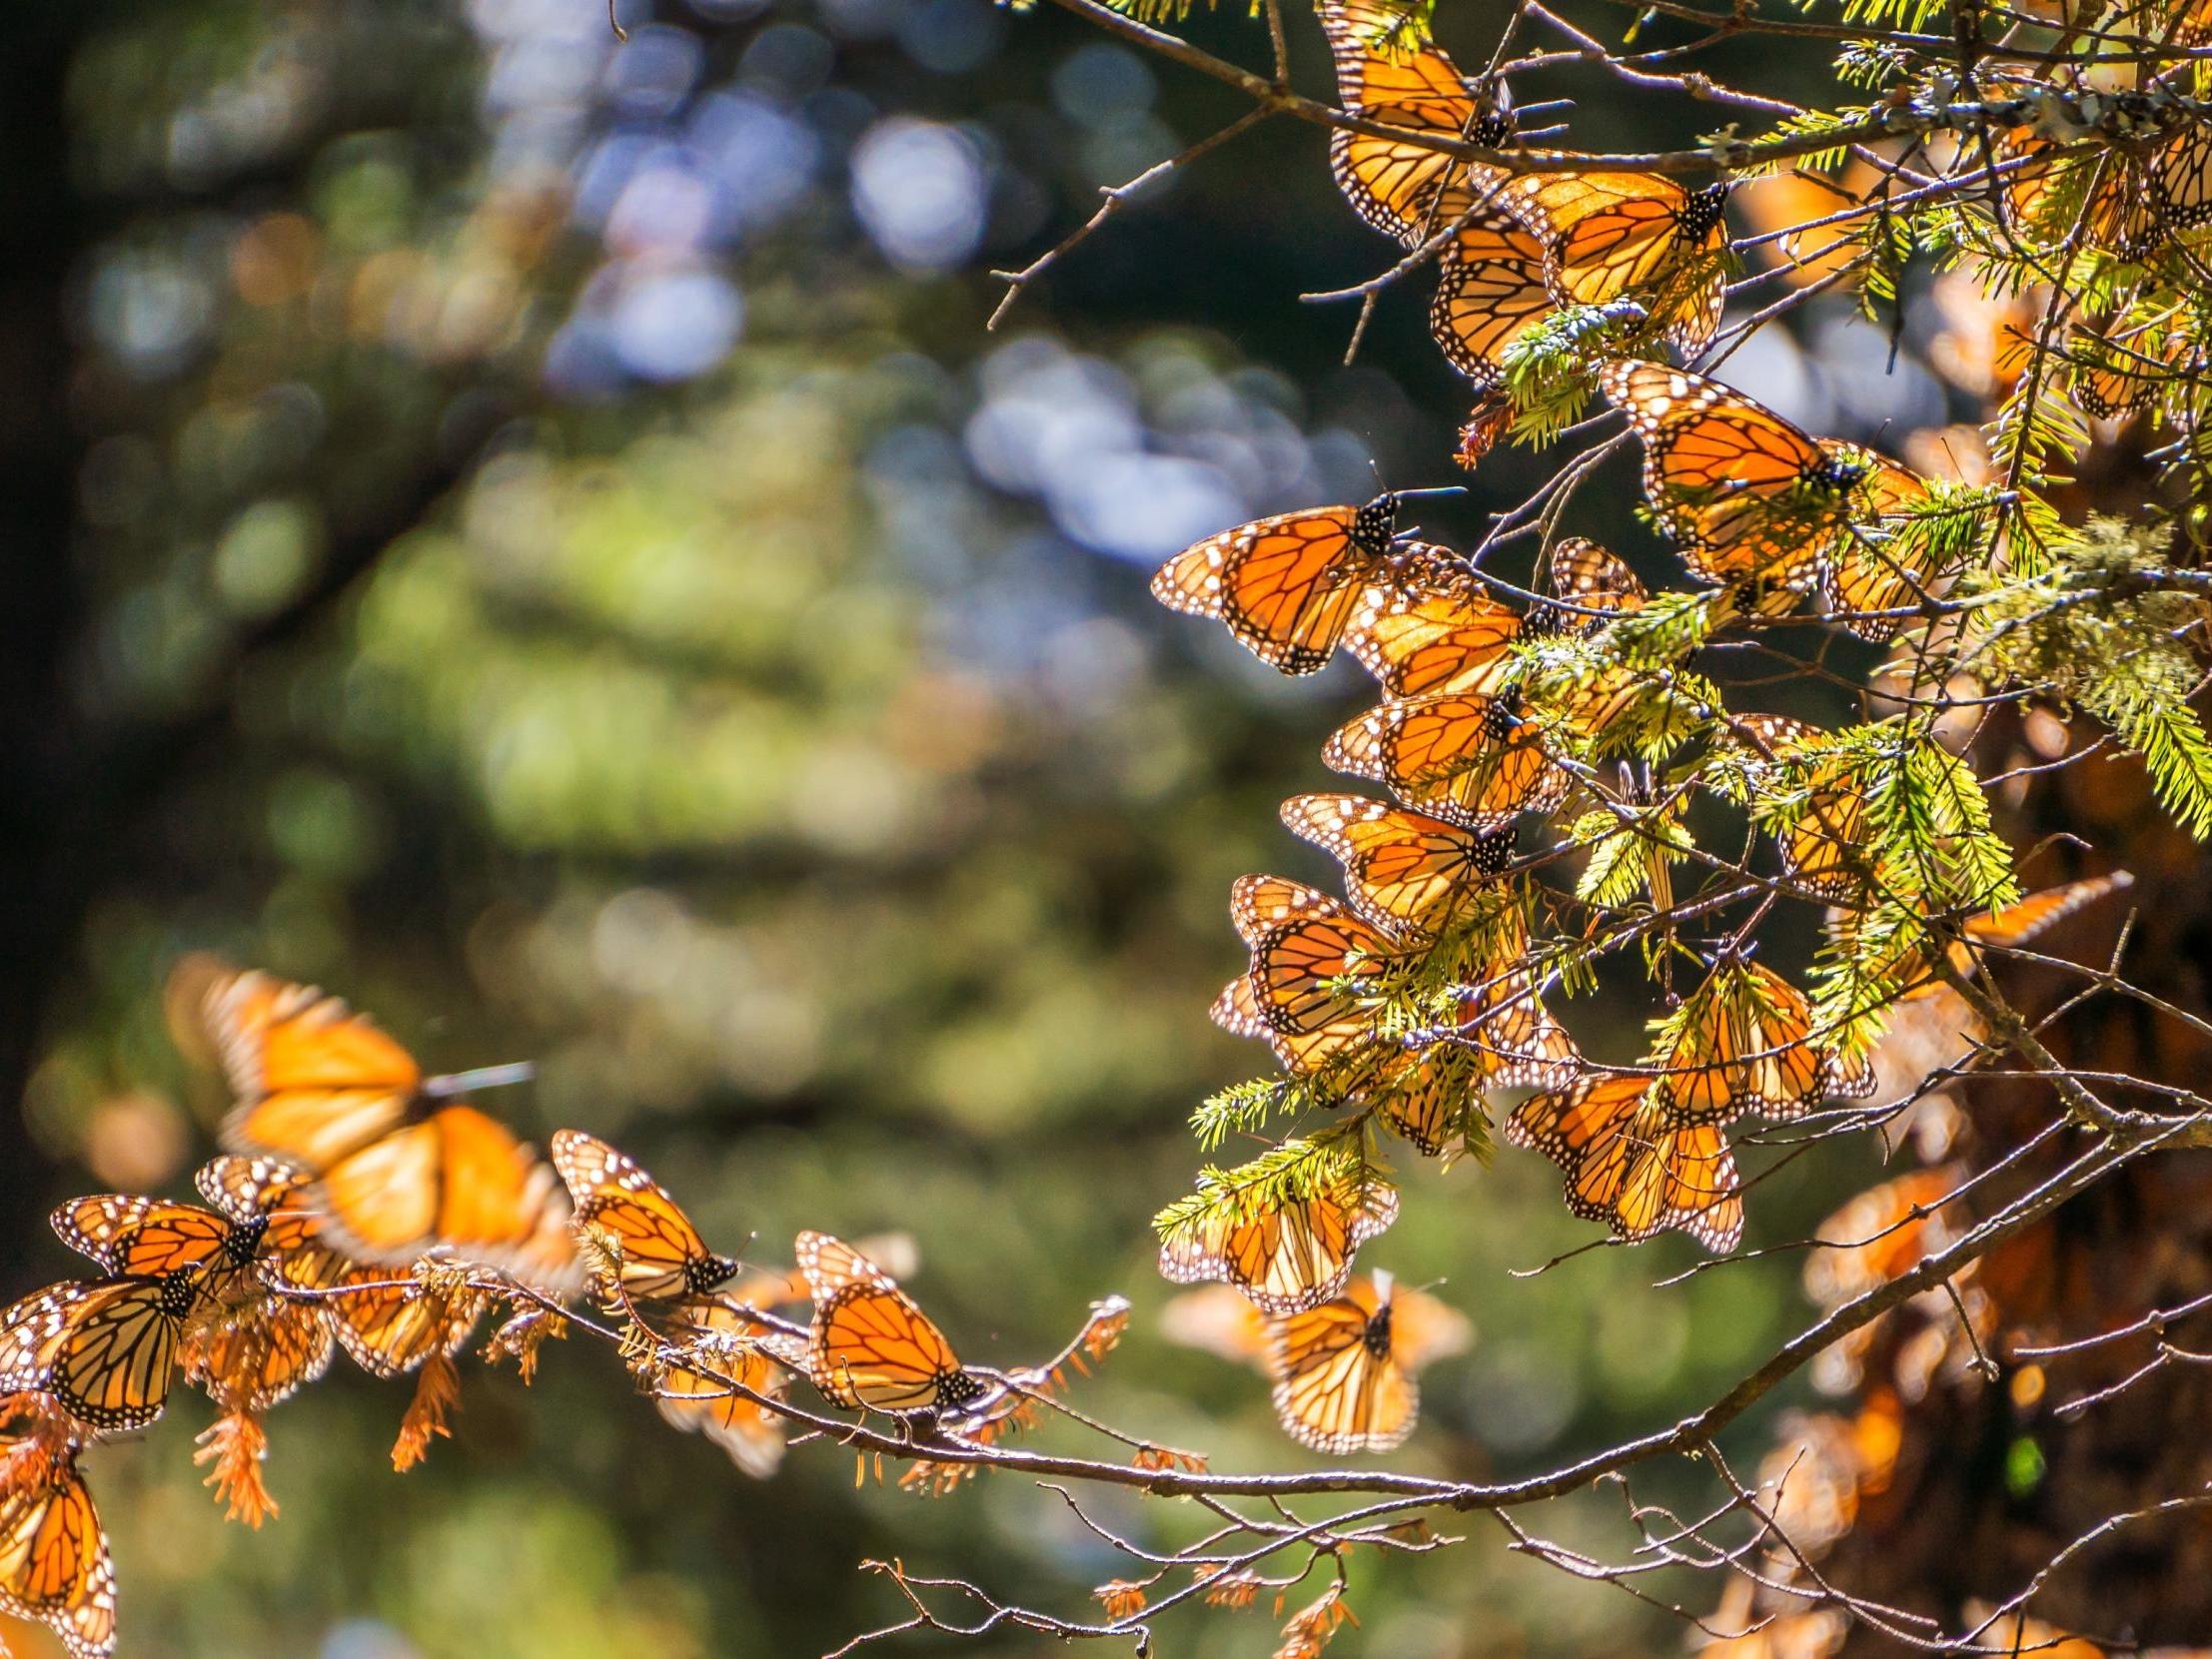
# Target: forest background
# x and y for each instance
(531, 530)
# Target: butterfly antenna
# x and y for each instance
(1431, 490)
(484, 1077)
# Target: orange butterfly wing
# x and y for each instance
(872, 1347)
(314, 1080)
(105, 1350)
(1593, 583)
(54, 1562)
(663, 1253)
(751, 1434)
(127, 1233)
(390, 1328)
(1302, 943)
(1400, 869)
(1611, 236)
(1745, 494)
(1287, 1259)
(1626, 1166)
(1458, 756)
(1423, 637)
(1404, 190)
(1491, 289)
(323, 1087)
(1287, 587)
(1337, 1386)
(260, 1356)
(456, 1180)
(1868, 572)
(1745, 1046)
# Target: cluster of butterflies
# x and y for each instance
(1435, 891)
(1513, 248)
(349, 1167)
(2126, 221)
(1517, 247)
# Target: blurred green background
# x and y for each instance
(530, 532)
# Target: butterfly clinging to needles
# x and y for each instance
(1629, 1162)
(1610, 236)
(1751, 501)
(1286, 1257)
(1391, 77)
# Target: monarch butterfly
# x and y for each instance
(1871, 569)
(390, 1328)
(2016, 924)
(2114, 374)
(871, 1348)
(387, 1324)
(1628, 1166)
(1288, 586)
(1402, 869)
(729, 1335)
(1489, 292)
(1218, 1320)
(1743, 1042)
(1819, 837)
(399, 1168)
(148, 1238)
(1425, 1095)
(1462, 757)
(1504, 1025)
(1607, 235)
(1345, 1049)
(54, 1564)
(105, 1350)
(1407, 191)
(267, 1197)
(1343, 1382)
(261, 1355)
(1880, 1234)
(1416, 637)
(1285, 1258)
(663, 1253)
(1305, 945)
(2180, 180)
(1591, 584)
(1745, 494)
